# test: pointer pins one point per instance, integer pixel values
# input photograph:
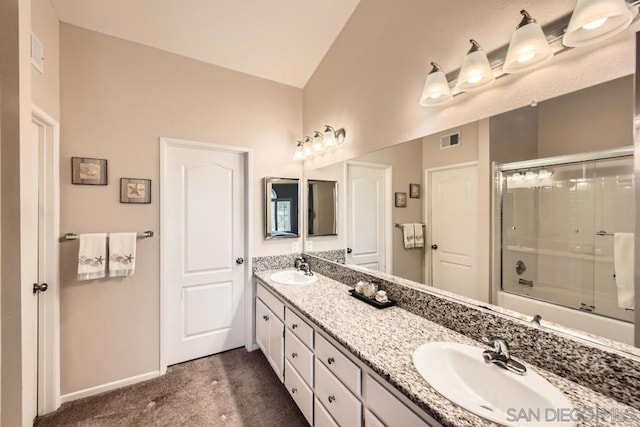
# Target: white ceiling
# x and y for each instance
(280, 40)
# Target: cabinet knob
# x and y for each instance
(332, 399)
(294, 390)
(40, 287)
(240, 261)
(294, 326)
(294, 355)
(265, 317)
(331, 360)
(434, 247)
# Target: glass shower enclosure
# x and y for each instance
(558, 219)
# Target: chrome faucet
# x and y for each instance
(304, 266)
(299, 260)
(499, 355)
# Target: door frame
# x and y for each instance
(428, 254)
(388, 207)
(49, 302)
(165, 143)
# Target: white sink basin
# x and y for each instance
(459, 373)
(292, 277)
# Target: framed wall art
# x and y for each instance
(135, 190)
(401, 200)
(414, 191)
(88, 171)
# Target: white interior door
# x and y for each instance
(454, 208)
(203, 245)
(366, 216)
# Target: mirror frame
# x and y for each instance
(336, 211)
(268, 183)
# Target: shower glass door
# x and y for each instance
(551, 248)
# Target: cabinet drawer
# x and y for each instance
(339, 364)
(299, 327)
(370, 420)
(321, 416)
(273, 303)
(299, 391)
(299, 356)
(343, 406)
(388, 408)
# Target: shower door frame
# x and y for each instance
(498, 192)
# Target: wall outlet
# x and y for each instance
(295, 247)
(309, 246)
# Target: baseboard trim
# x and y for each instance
(108, 386)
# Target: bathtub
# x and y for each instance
(593, 324)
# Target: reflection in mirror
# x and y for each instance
(322, 207)
(572, 273)
(281, 207)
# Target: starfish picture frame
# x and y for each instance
(135, 190)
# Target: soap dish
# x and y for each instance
(372, 301)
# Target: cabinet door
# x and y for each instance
(262, 327)
(276, 345)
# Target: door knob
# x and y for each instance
(239, 260)
(40, 287)
(434, 247)
(349, 250)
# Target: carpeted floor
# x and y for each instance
(235, 388)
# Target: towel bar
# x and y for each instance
(74, 236)
(396, 225)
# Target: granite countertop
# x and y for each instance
(385, 340)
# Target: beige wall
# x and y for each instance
(15, 116)
(593, 119)
(406, 163)
(514, 135)
(371, 79)
(46, 86)
(467, 151)
(118, 98)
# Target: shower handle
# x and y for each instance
(520, 267)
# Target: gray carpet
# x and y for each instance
(235, 388)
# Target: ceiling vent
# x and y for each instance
(449, 141)
(37, 53)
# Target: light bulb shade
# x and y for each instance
(318, 144)
(299, 153)
(596, 20)
(329, 136)
(307, 149)
(528, 49)
(341, 134)
(436, 89)
(476, 71)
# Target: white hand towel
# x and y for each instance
(623, 265)
(92, 256)
(408, 235)
(419, 235)
(122, 254)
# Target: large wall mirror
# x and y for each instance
(281, 207)
(523, 212)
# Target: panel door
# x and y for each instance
(454, 208)
(366, 217)
(204, 236)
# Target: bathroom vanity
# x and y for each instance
(349, 364)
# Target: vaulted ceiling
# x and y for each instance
(280, 40)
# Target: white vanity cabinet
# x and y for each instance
(328, 384)
(270, 330)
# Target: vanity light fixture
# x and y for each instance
(529, 47)
(318, 144)
(596, 20)
(436, 89)
(476, 71)
(545, 174)
(299, 153)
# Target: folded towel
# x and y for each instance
(408, 235)
(623, 264)
(122, 254)
(419, 235)
(91, 256)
